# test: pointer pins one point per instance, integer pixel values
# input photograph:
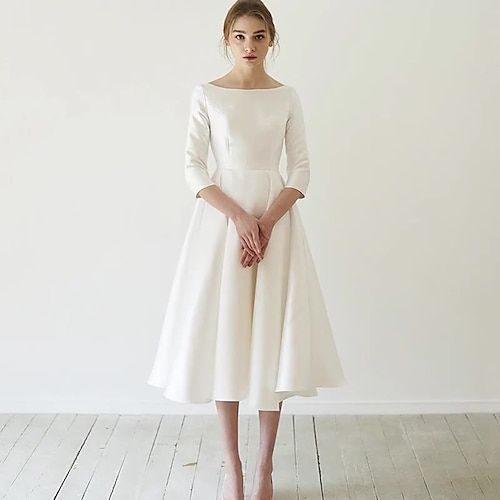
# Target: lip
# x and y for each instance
(250, 57)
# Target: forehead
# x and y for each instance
(249, 25)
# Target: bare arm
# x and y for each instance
(281, 204)
(279, 207)
(246, 224)
(221, 201)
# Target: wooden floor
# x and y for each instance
(65, 456)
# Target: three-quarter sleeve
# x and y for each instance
(197, 143)
(297, 157)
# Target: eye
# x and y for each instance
(259, 37)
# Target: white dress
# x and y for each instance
(234, 333)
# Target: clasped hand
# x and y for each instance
(254, 234)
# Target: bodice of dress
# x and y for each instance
(246, 129)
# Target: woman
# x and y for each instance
(246, 318)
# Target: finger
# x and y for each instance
(256, 260)
(251, 250)
(256, 243)
(246, 245)
(247, 260)
(246, 257)
(243, 257)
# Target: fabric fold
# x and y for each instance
(230, 333)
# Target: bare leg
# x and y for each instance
(233, 480)
(263, 482)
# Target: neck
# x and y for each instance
(248, 77)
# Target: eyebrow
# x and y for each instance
(242, 31)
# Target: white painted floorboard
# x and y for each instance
(345, 457)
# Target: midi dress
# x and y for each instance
(259, 334)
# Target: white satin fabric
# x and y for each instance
(234, 333)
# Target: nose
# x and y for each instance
(249, 49)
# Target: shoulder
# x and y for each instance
(290, 91)
(294, 98)
(198, 89)
(198, 94)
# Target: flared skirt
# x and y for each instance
(259, 334)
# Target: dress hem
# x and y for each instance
(305, 392)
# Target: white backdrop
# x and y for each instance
(402, 108)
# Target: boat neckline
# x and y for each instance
(233, 88)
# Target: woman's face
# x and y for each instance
(249, 37)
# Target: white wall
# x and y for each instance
(402, 105)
